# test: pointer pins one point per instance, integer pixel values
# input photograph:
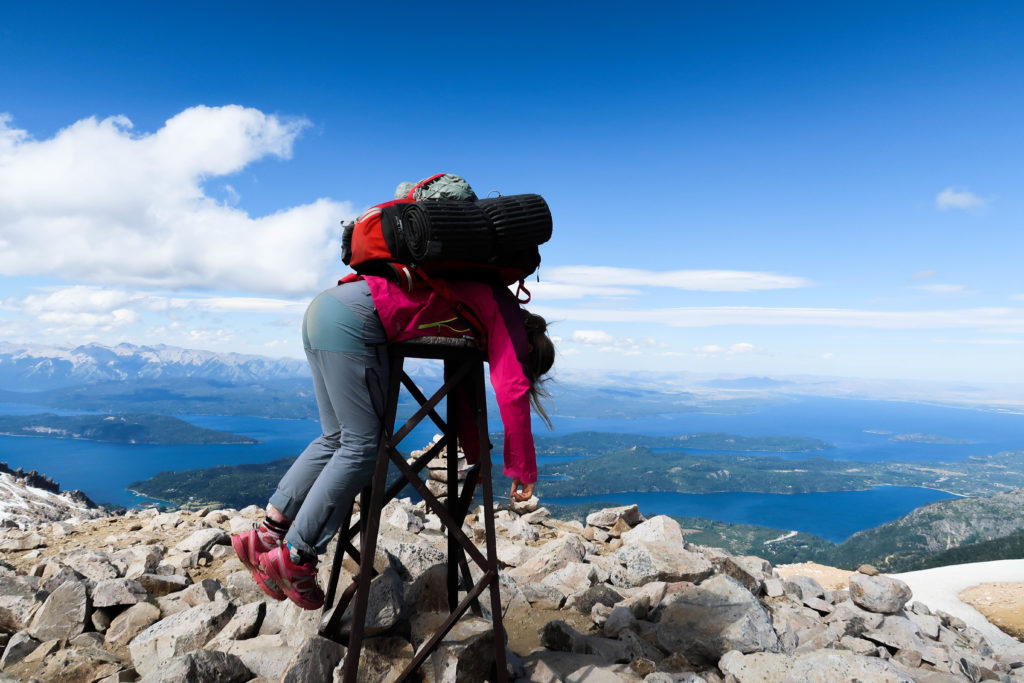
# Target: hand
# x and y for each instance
(526, 494)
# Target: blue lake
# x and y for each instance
(104, 470)
(833, 516)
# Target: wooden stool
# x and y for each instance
(464, 370)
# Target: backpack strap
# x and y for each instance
(521, 287)
(464, 313)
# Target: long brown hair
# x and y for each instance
(539, 361)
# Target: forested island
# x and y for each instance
(596, 443)
(140, 428)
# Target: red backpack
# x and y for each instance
(388, 241)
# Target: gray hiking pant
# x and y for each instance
(347, 351)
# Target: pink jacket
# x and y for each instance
(423, 313)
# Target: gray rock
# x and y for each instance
(412, 560)
(598, 594)
(560, 636)
(928, 624)
(14, 541)
(18, 603)
(385, 608)
(897, 632)
(773, 588)
(267, 656)
(208, 666)
(604, 673)
(619, 619)
(130, 623)
(882, 594)
(525, 507)
(381, 660)
(63, 615)
(543, 596)
(465, 655)
(143, 559)
(715, 617)
(660, 529)
(200, 593)
(639, 648)
(750, 571)
(537, 516)
(101, 618)
(158, 585)
(804, 588)
(314, 660)
(647, 561)
(74, 664)
(95, 566)
(241, 588)
(178, 634)
(88, 639)
(245, 623)
(202, 540)
(20, 645)
(549, 558)
(572, 578)
(858, 645)
(114, 592)
(63, 575)
(822, 666)
(607, 517)
(856, 619)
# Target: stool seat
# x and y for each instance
(464, 377)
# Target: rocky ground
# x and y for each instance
(160, 597)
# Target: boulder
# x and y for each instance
(130, 623)
(115, 592)
(266, 656)
(749, 570)
(201, 665)
(385, 608)
(75, 664)
(524, 507)
(95, 566)
(15, 541)
(314, 660)
(20, 645)
(549, 558)
(572, 578)
(18, 603)
(202, 540)
(465, 655)
(63, 615)
(381, 660)
(882, 594)
(178, 634)
(244, 624)
(660, 529)
(606, 518)
(718, 616)
(158, 585)
(647, 561)
(822, 666)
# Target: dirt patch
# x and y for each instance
(523, 630)
(1001, 603)
(830, 578)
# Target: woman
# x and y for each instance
(345, 333)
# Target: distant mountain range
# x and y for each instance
(40, 368)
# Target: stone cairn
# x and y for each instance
(155, 596)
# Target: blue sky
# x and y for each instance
(751, 188)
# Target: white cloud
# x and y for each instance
(925, 274)
(1003, 319)
(953, 198)
(693, 280)
(545, 290)
(592, 337)
(828, 356)
(1018, 297)
(937, 288)
(101, 203)
(732, 350)
(994, 341)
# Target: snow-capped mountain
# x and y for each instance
(36, 368)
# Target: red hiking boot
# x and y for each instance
(298, 581)
(249, 546)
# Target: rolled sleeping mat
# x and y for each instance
(520, 221)
(445, 230)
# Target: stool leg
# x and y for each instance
(480, 408)
(454, 550)
(371, 515)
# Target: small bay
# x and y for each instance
(833, 515)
